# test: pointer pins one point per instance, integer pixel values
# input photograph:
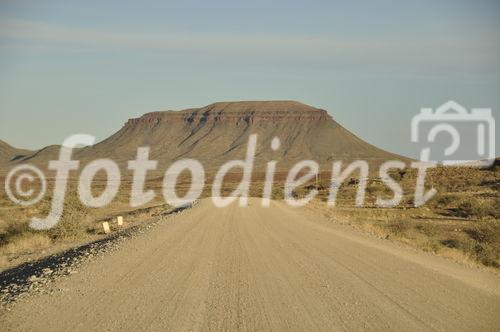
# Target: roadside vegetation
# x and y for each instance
(79, 224)
(461, 222)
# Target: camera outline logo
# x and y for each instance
(444, 118)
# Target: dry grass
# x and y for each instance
(27, 242)
(461, 240)
(77, 225)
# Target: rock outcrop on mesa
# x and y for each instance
(219, 132)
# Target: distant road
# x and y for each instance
(257, 269)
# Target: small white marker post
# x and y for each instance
(105, 225)
(119, 220)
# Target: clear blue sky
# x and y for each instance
(69, 67)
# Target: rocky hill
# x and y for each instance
(10, 154)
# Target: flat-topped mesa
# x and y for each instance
(219, 132)
(247, 111)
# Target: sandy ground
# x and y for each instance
(256, 268)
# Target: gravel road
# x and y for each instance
(254, 268)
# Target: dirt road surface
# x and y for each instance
(255, 268)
